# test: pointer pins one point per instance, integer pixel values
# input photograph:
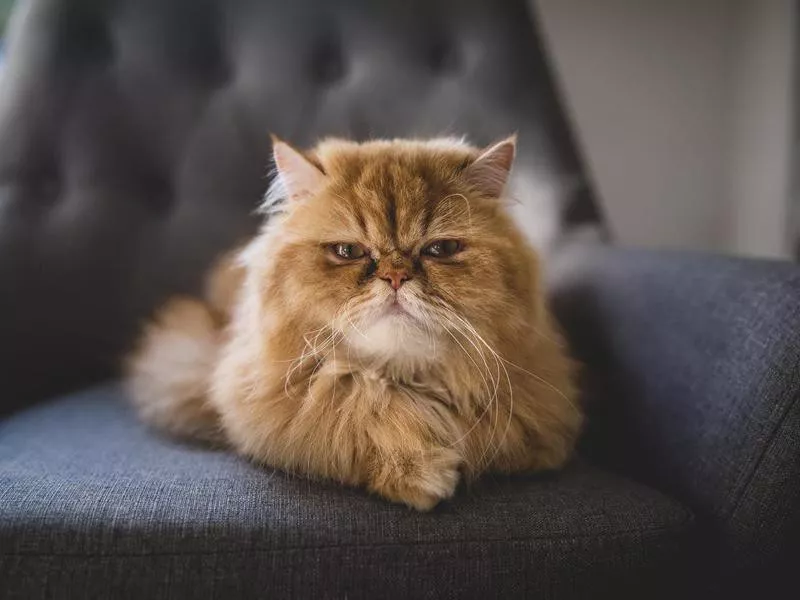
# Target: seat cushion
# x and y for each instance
(92, 502)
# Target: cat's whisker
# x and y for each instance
(333, 391)
(294, 366)
(491, 396)
(431, 335)
(519, 368)
(500, 361)
(477, 366)
(314, 346)
(347, 313)
(540, 379)
(312, 376)
(466, 204)
(493, 400)
(310, 349)
(426, 321)
(305, 340)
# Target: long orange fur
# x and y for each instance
(302, 361)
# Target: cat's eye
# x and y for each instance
(348, 251)
(442, 248)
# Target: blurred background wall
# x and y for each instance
(683, 108)
(5, 9)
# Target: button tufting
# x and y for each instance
(83, 36)
(159, 193)
(43, 183)
(442, 56)
(207, 60)
(194, 42)
(327, 61)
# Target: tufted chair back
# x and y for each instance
(134, 141)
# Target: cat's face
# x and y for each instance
(400, 247)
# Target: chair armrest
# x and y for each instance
(692, 378)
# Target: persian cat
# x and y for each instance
(386, 328)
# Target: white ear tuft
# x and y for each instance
(489, 173)
(300, 178)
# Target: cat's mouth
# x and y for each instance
(397, 308)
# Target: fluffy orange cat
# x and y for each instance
(386, 328)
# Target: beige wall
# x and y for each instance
(682, 109)
(762, 127)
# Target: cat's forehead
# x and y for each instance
(394, 202)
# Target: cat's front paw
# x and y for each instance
(420, 483)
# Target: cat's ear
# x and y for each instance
(300, 177)
(489, 172)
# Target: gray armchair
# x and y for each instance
(134, 148)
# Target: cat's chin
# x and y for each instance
(396, 336)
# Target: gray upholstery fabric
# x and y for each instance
(693, 372)
(94, 505)
(135, 141)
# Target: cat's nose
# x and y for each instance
(395, 277)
